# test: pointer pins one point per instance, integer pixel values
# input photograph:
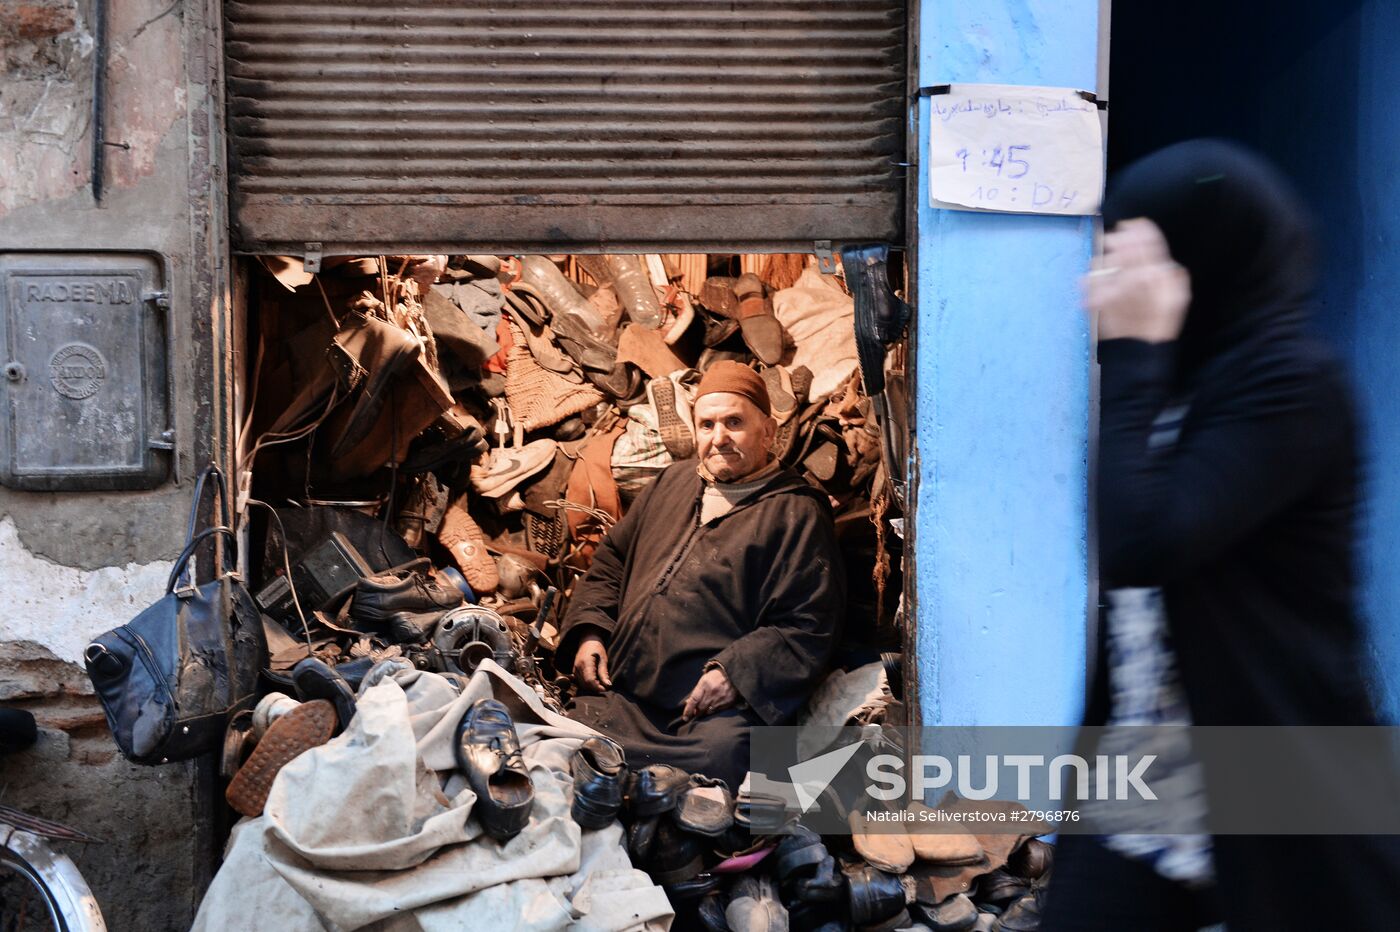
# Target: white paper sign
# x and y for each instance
(1033, 150)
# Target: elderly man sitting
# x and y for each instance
(713, 605)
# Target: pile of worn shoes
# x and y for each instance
(491, 418)
(873, 879)
(279, 728)
(736, 862)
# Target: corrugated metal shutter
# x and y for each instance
(684, 124)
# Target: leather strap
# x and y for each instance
(178, 571)
(224, 515)
(591, 484)
(753, 306)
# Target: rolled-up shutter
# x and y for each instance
(687, 125)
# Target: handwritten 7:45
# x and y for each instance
(1007, 161)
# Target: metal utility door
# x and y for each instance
(624, 125)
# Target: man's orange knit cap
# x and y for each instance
(729, 376)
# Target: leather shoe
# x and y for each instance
(1032, 860)
(488, 751)
(641, 839)
(379, 598)
(675, 855)
(955, 914)
(806, 869)
(700, 885)
(377, 351)
(656, 788)
(880, 316)
(888, 847)
(705, 807)
(711, 912)
(900, 920)
(875, 895)
(314, 679)
(1024, 914)
(412, 627)
(1001, 887)
(599, 767)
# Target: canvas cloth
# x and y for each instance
(820, 318)
(374, 831)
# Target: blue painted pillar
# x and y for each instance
(1003, 400)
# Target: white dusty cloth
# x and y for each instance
(820, 319)
(842, 697)
(373, 831)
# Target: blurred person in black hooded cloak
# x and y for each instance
(1228, 496)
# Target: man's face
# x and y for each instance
(732, 435)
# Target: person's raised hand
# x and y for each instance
(712, 693)
(591, 665)
(1135, 289)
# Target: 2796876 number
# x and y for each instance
(1045, 815)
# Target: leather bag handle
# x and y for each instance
(212, 471)
(221, 499)
(179, 573)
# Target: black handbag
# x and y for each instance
(170, 678)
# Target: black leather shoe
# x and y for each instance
(701, 884)
(655, 789)
(379, 598)
(641, 839)
(1024, 914)
(488, 751)
(880, 316)
(711, 912)
(675, 856)
(314, 679)
(875, 895)
(599, 767)
(1001, 887)
(409, 628)
(806, 870)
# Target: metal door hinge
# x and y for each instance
(165, 441)
(826, 259)
(311, 261)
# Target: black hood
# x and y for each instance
(1238, 227)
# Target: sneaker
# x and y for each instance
(307, 726)
(504, 469)
(465, 540)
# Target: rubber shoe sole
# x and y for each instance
(307, 726)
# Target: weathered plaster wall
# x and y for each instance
(75, 564)
(1003, 363)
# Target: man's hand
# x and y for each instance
(1135, 289)
(712, 693)
(591, 665)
